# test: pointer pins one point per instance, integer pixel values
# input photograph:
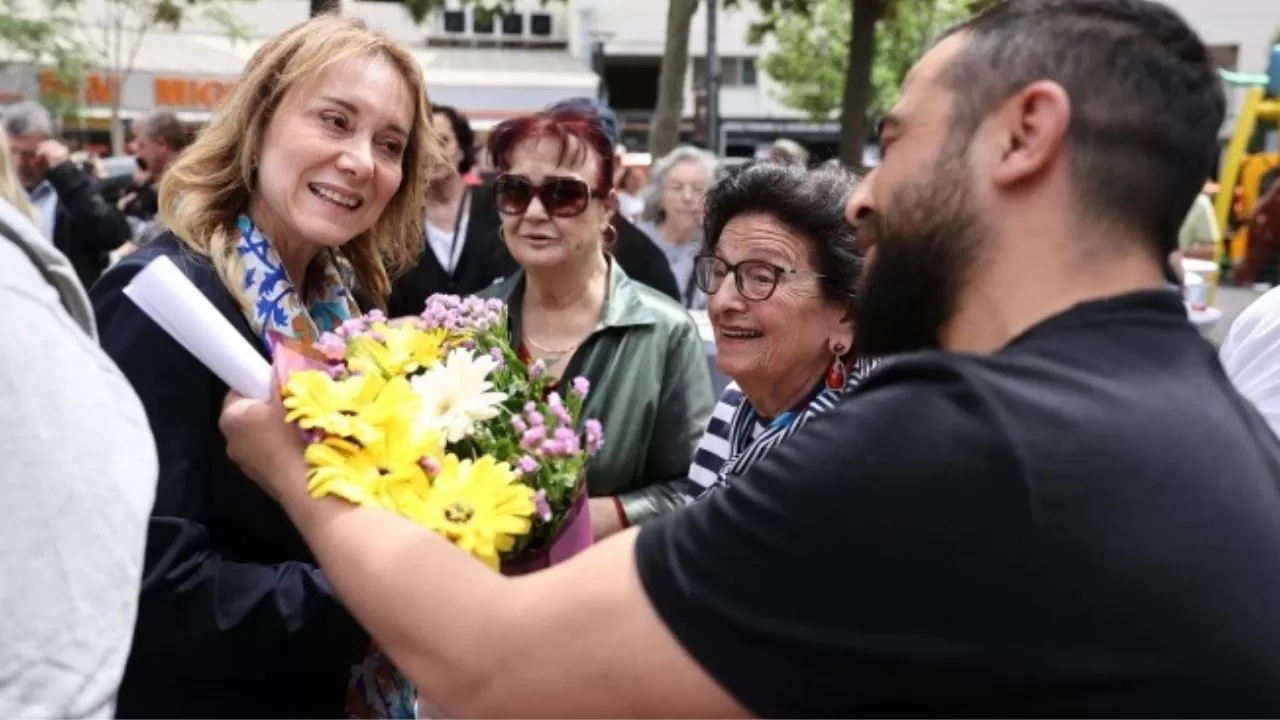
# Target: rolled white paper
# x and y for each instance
(177, 306)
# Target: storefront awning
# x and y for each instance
(503, 81)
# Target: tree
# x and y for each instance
(664, 129)
(111, 47)
(850, 55)
(40, 42)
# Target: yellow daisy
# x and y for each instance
(479, 506)
(353, 407)
(402, 350)
(388, 473)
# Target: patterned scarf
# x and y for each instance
(272, 302)
(750, 439)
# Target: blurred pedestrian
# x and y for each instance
(83, 226)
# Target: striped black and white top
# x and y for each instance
(715, 461)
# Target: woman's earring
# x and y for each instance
(836, 376)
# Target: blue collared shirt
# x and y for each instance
(45, 198)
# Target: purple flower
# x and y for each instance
(541, 506)
(527, 465)
(595, 436)
(496, 354)
(568, 440)
(518, 424)
(562, 415)
(333, 346)
(554, 400)
(581, 386)
(375, 316)
(537, 369)
(535, 418)
(312, 437)
(551, 449)
(531, 437)
(353, 326)
(430, 465)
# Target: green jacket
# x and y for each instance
(650, 389)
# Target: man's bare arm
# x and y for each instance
(578, 639)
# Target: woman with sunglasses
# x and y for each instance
(574, 311)
(779, 270)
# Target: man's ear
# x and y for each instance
(1033, 126)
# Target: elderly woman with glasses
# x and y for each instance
(779, 270)
(576, 313)
(672, 215)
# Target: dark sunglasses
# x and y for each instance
(561, 197)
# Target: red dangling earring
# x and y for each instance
(835, 374)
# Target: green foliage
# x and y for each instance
(811, 55)
(810, 59)
(42, 41)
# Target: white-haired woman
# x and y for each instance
(672, 216)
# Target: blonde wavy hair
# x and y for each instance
(11, 188)
(203, 193)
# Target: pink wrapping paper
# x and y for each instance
(574, 538)
(289, 356)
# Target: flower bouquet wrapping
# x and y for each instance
(436, 418)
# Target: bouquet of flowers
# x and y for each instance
(436, 418)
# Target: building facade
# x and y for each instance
(526, 61)
(1239, 34)
(629, 38)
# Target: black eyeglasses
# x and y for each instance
(561, 197)
(756, 279)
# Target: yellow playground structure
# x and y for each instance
(1245, 169)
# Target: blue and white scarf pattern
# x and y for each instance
(271, 301)
(750, 439)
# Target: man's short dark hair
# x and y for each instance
(165, 127)
(1146, 101)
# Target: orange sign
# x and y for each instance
(169, 92)
(185, 93)
(98, 89)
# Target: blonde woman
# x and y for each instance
(11, 189)
(305, 186)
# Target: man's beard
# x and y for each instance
(926, 241)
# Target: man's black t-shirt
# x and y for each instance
(1085, 523)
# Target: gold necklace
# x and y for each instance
(551, 351)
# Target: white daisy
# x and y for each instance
(456, 394)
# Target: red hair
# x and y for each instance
(578, 132)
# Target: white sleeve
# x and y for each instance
(1251, 356)
(77, 482)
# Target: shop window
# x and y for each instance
(540, 24)
(455, 21)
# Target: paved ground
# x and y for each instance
(1231, 301)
